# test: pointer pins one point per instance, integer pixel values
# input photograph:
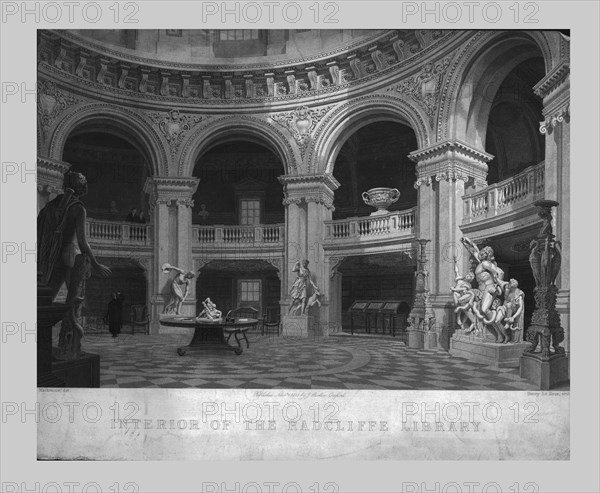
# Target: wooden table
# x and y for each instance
(209, 334)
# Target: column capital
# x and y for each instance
(450, 160)
(51, 174)
(164, 189)
(309, 188)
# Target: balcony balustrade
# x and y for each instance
(393, 225)
(506, 196)
(113, 232)
(224, 236)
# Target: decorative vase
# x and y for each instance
(381, 198)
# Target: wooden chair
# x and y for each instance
(139, 318)
(272, 322)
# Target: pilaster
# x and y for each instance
(309, 202)
(555, 90)
(170, 203)
(444, 172)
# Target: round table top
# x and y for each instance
(177, 321)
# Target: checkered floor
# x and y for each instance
(337, 362)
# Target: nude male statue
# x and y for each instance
(64, 255)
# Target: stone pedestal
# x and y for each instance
(83, 372)
(48, 314)
(545, 373)
(422, 339)
(490, 353)
(298, 326)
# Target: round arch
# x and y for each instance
(477, 74)
(342, 123)
(112, 119)
(236, 128)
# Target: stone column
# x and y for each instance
(444, 171)
(170, 201)
(309, 201)
(554, 88)
(50, 178)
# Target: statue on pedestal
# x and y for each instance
(497, 305)
(304, 292)
(64, 256)
(180, 287)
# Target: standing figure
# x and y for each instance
(113, 316)
(65, 256)
(180, 287)
(132, 217)
(302, 289)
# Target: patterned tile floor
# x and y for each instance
(339, 362)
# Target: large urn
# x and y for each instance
(381, 198)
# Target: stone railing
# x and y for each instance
(260, 234)
(390, 225)
(107, 232)
(503, 197)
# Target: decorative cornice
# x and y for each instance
(228, 85)
(325, 179)
(165, 189)
(552, 80)
(442, 148)
(50, 174)
(552, 120)
(450, 161)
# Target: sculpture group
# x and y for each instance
(495, 306)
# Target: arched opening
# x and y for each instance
(116, 170)
(238, 185)
(512, 135)
(375, 155)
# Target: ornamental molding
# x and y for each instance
(334, 264)
(224, 86)
(450, 161)
(301, 123)
(277, 263)
(322, 200)
(456, 147)
(174, 125)
(552, 81)
(554, 119)
(425, 86)
(51, 171)
(309, 180)
(51, 101)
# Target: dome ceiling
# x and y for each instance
(206, 47)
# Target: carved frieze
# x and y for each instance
(51, 101)
(174, 125)
(425, 86)
(300, 123)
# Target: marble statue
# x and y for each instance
(180, 287)
(65, 256)
(210, 311)
(304, 292)
(495, 305)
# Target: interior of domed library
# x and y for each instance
(303, 209)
